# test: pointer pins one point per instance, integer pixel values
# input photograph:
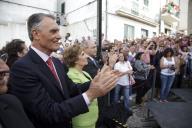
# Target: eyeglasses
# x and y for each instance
(3, 74)
(4, 57)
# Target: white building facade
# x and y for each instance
(14, 14)
(185, 24)
(121, 18)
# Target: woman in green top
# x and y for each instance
(76, 59)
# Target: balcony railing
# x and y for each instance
(169, 18)
(171, 12)
(172, 9)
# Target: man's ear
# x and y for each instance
(35, 34)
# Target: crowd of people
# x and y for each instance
(65, 85)
(168, 55)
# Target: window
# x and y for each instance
(95, 33)
(144, 33)
(154, 33)
(135, 8)
(63, 8)
(146, 2)
(167, 31)
(129, 31)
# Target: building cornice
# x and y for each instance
(144, 20)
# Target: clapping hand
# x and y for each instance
(112, 59)
(103, 82)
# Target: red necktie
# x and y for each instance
(51, 67)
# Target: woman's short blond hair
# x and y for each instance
(71, 54)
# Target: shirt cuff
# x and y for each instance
(86, 99)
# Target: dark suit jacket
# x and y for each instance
(12, 114)
(91, 68)
(44, 102)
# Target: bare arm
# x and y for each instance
(162, 66)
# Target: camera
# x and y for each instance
(172, 67)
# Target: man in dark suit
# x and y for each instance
(90, 49)
(11, 110)
(49, 97)
(92, 68)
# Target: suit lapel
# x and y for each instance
(45, 70)
(94, 63)
(61, 74)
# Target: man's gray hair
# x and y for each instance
(85, 43)
(34, 21)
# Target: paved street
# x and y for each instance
(139, 118)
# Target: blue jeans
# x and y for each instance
(117, 95)
(166, 83)
(130, 90)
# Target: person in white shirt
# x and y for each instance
(123, 82)
(167, 65)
